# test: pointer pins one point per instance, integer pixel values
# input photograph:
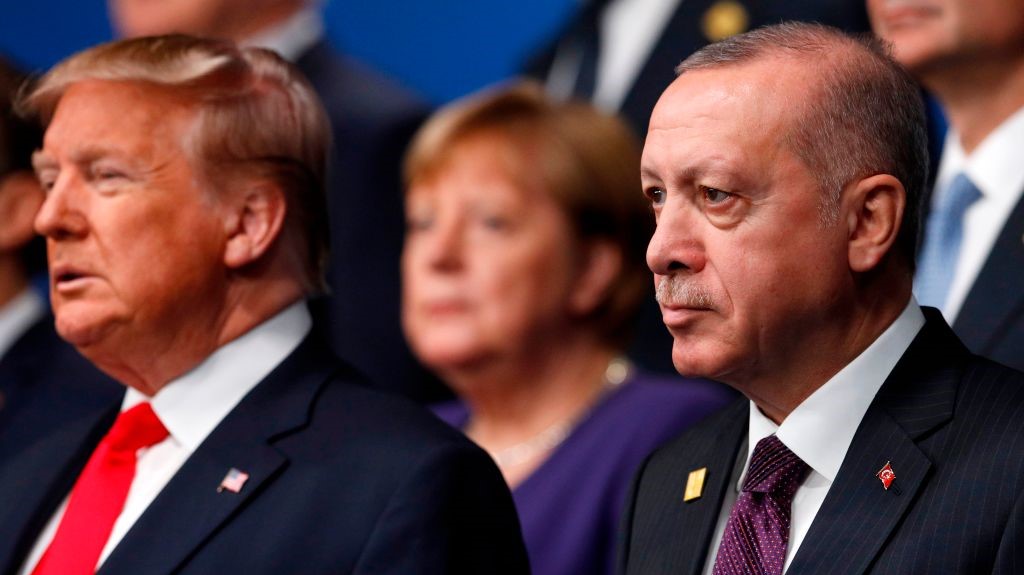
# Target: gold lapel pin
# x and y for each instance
(695, 484)
(723, 19)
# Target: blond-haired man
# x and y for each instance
(185, 228)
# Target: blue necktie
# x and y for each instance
(943, 236)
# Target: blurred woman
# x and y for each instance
(522, 271)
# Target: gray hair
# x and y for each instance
(865, 117)
(256, 115)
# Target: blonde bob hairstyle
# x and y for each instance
(587, 161)
(256, 116)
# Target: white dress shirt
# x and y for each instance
(292, 37)
(18, 316)
(190, 407)
(819, 431)
(629, 30)
(996, 168)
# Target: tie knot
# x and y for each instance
(960, 194)
(134, 429)
(774, 469)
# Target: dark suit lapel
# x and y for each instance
(859, 514)
(670, 535)
(995, 301)
(191, 508)
(38, 480)
(703, 512)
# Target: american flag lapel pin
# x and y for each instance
(886, 475)
(233, 481)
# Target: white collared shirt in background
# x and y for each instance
(190, 407)
(996, 168)
(293, 37)
(18, 316)
(629, 31)
(819, 431)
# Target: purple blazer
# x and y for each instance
(570, 506)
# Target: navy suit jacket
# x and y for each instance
(991, 321)
(342, 479)
(45, 383)
(372, 121)
(950, 424)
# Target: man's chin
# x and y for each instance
(82, 333)
(692, 360)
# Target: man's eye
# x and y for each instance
(47, 182)
(495, 223)
(714, 195)
(107, 174)
(655, 195)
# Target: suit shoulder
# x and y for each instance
(347, 407)
(989, 389)
(694, 443)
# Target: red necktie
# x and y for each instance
(99, 494)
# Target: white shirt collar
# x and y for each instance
(994, 166)
(20, 314)
(293, 37)
(191, 406)
(819, 431)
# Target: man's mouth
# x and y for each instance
(66, 278)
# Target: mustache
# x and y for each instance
(676, 291)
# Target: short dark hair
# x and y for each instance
(867, 117)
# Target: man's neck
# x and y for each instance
(979, 97)
(779, 391)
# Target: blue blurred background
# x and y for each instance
(442, 49)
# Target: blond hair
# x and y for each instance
(256, 116)
(587, 161)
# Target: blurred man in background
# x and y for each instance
(372, 120)
(43, 381)
(970, 55)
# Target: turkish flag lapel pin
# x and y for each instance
(886, 475)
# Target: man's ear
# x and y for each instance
(600, 264)
(20, 199)
(875, 213)
(254, 223)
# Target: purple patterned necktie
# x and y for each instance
(755, 538)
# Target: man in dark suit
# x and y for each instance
(784, 167)
(372, 119)
(185, 228)
(43, 380)
(676, 29)
(970, 55)
(620, 54)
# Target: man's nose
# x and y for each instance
(61, 216)
(676, 244)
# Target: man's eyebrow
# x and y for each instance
(649, 173)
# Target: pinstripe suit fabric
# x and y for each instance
(951, 423)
